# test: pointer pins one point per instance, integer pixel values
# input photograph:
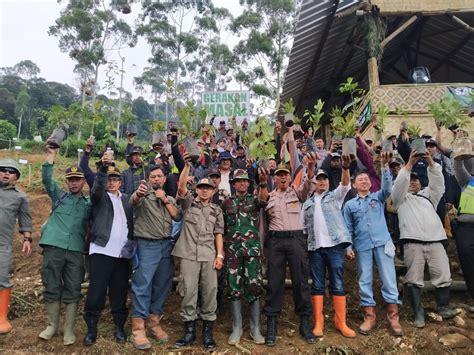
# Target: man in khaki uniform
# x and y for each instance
(200, 248)
(287, 244)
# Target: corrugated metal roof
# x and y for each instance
(314, 17)
(325, 51)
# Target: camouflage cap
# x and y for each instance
(241, 174)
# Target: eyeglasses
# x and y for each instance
(7, 170)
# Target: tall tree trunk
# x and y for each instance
(120, 102)
(19, 123)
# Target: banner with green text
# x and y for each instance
(225, 104)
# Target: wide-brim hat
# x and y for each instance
(205, 182)
(74, 171)
(225, 156)
(12, 164)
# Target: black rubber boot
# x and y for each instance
(270, 338)
(119, 333)
(442, 303)
(189, 335)
(418, 312)
(91, 335)
(306, 331)
(207, 336)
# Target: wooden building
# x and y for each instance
(378, 42)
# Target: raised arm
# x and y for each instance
(52, 188)
(183, 177)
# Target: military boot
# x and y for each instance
(189, 335)
(207, 336)
(270, 338)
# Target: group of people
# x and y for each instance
(226, 218)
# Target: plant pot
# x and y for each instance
(387, 146)
(462, 148)
(349, 147)
(158, 137)
(289, 119)
(56, 138)
(191, 146)
(132, 129)
(418, 145)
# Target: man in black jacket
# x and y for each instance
(111, 228)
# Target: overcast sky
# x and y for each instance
(24, 35)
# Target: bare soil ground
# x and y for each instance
(28, 315)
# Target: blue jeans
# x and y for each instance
(331, 259)
(152, 280)
(386, 268)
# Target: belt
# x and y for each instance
(286, 234)
(153, 239)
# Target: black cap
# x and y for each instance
(431, 141)
(74, 171)
(320, 172)
(397, 160)
(136, 149)
(213, 172)
(414, 175)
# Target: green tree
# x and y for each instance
(171, 30)
(84, 29)
(26, 69)
(266, 26)
(7, 130)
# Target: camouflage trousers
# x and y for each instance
(244, 277)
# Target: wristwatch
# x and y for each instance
(220, 256)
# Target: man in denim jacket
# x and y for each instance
(365, 221)
(328, 238)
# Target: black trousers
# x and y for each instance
(464, 236)
(106, 272)
(291, 250)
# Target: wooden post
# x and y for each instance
(373, 71)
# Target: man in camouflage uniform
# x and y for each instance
(242, 252)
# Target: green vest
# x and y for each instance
(466, 204)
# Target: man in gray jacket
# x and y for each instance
(423, 235)
(15, 205)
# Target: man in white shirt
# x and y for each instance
(111, 227)
(328, 238)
